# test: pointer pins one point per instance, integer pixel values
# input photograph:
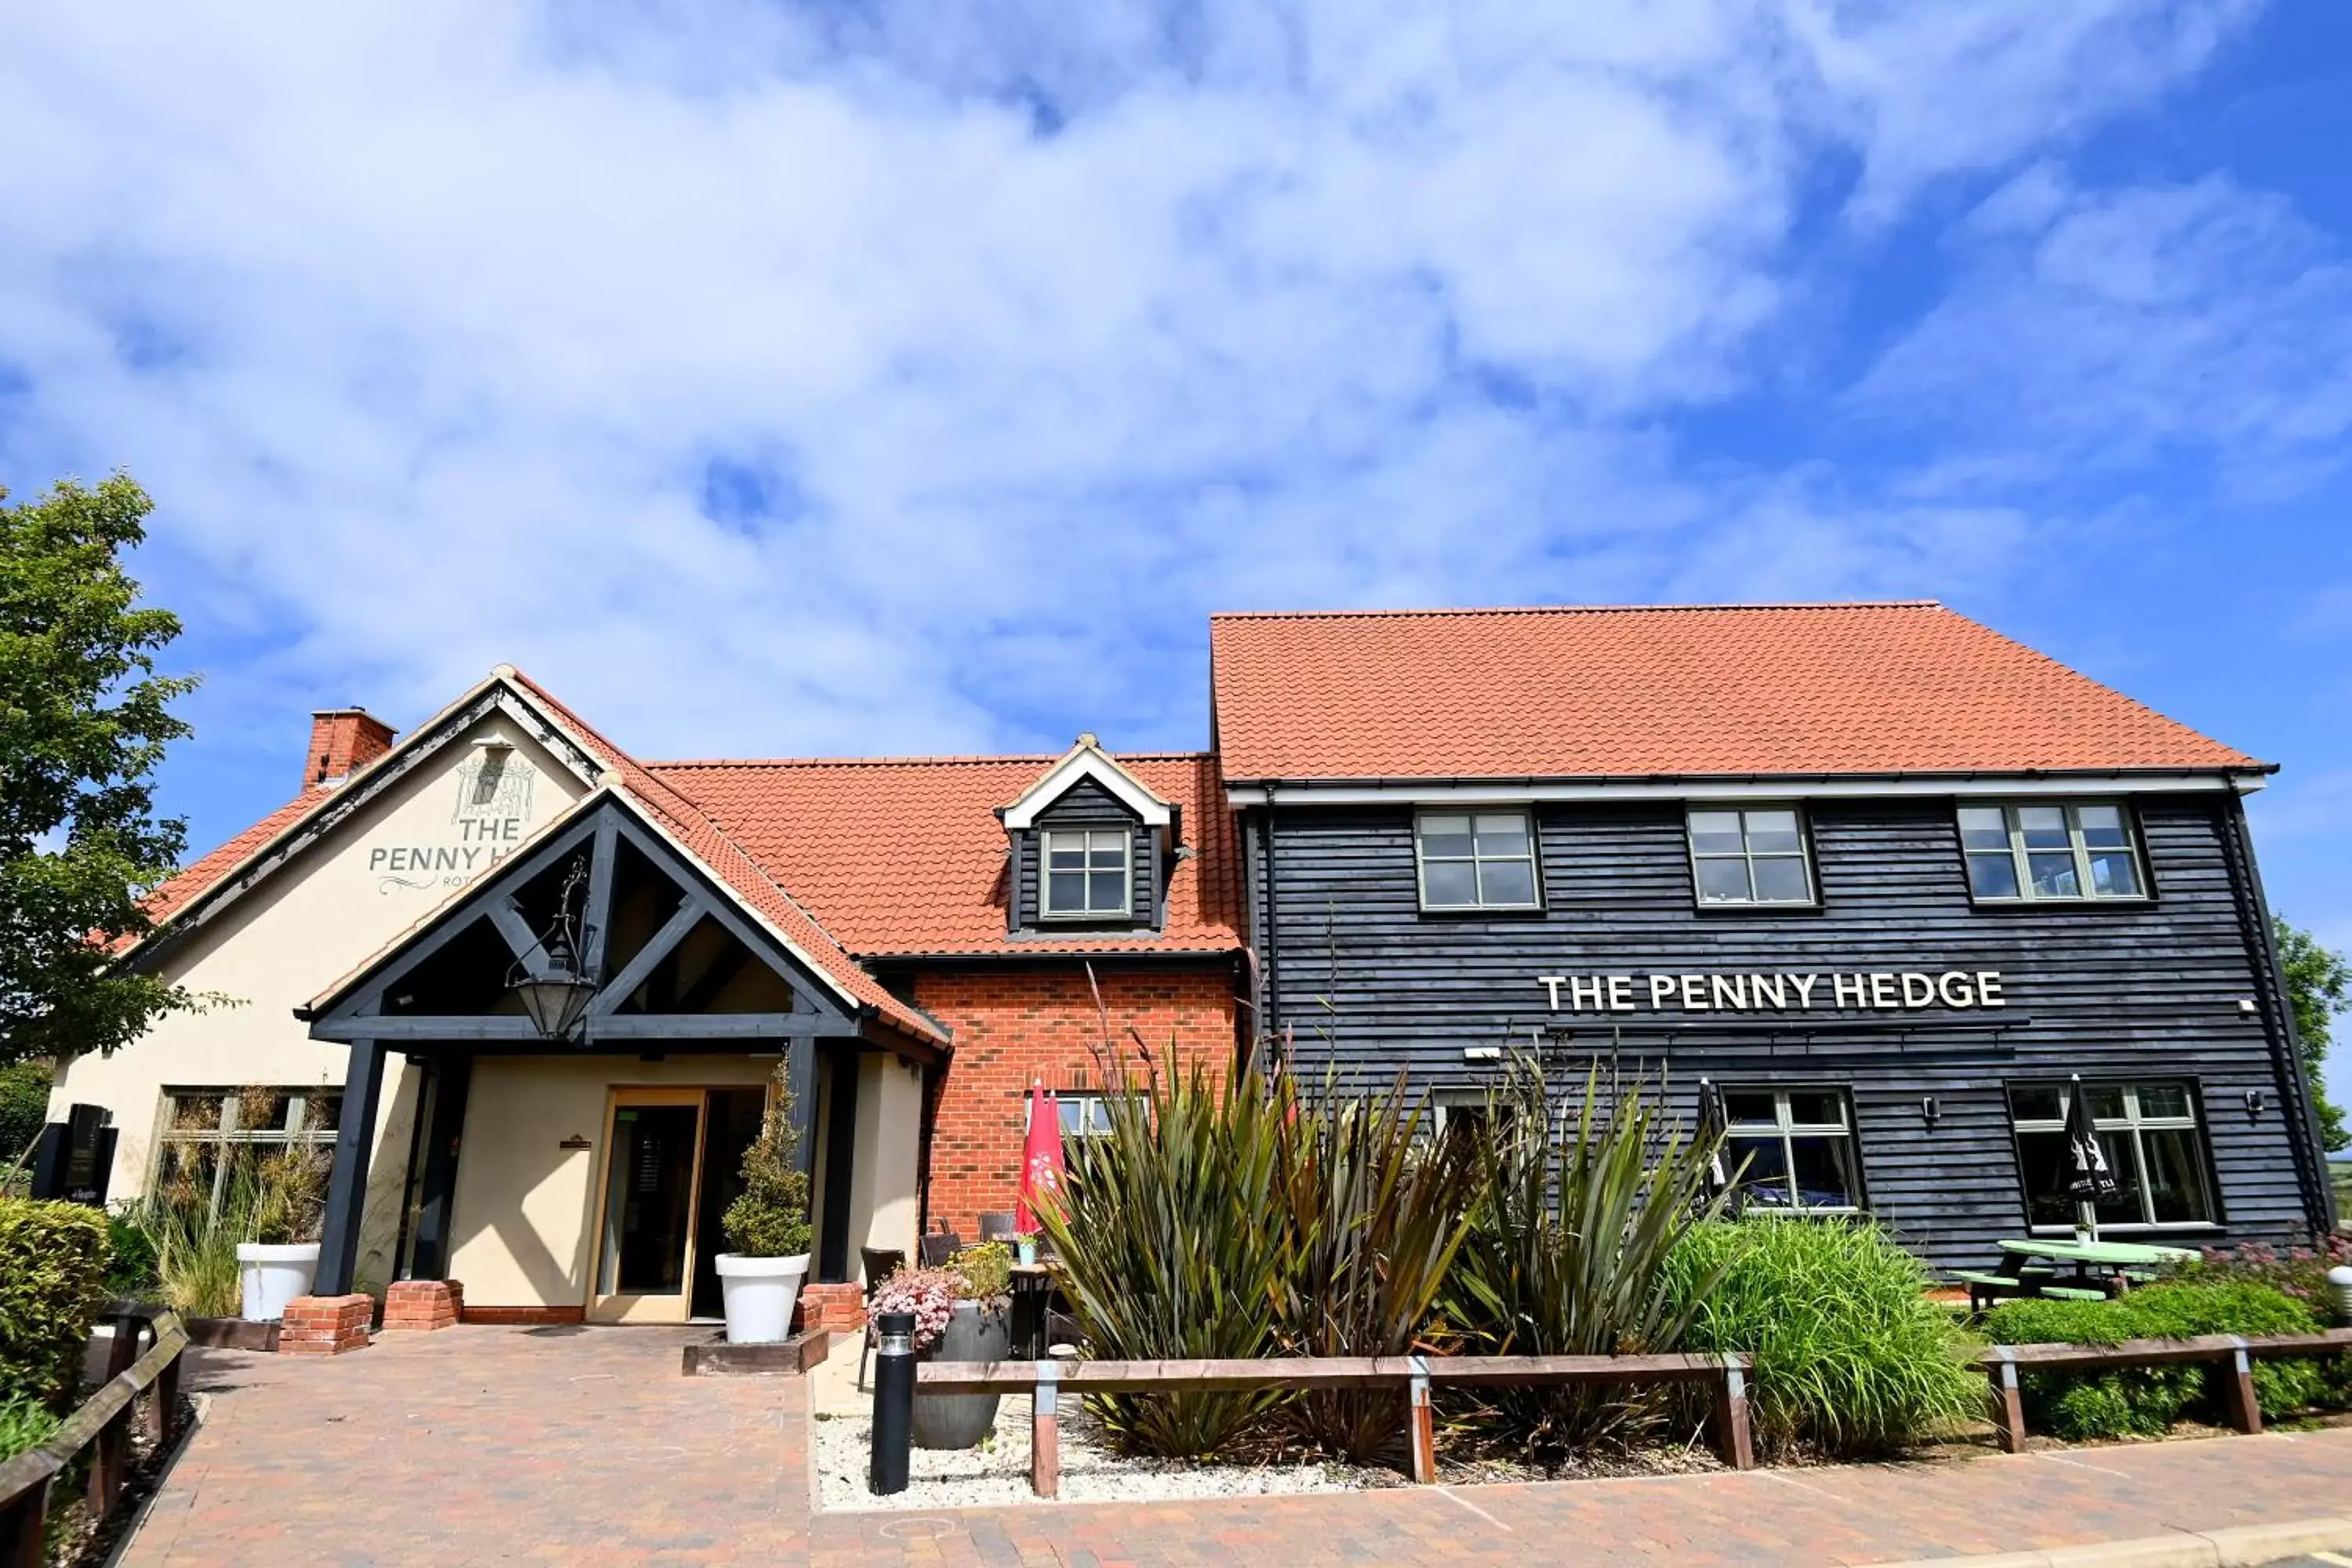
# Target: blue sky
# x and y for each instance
(780, 379)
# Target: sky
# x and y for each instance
(845, 378)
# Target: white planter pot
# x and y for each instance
(275, 1275)
(760, 1294)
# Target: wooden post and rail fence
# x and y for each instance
(1417, 1377)
(101, 1426)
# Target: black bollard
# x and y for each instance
(894, 1402)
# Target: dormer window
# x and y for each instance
(1087, 873)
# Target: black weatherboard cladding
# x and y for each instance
(1086, 803)
(1364, 980)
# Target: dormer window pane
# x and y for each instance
(1087, 873)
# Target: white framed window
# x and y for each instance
(211, 1139)
(1471, 1111)
(1086, 871)
(1476, 860)
(1797, 1145)
(1749, 855)
(2065, 853)
(1084, 1114)
(2149, 1132)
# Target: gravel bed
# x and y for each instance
(997, 1472)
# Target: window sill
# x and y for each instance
(1484, 911)
(2136, 1227)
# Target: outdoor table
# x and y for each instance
(2101, 1264)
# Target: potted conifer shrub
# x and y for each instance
(768, 1227)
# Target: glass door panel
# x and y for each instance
(644, 1252)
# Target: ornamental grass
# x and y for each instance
(1569, 1250)
(1850, 1359)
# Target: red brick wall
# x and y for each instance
(1015, 1027)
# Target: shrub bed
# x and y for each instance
(2144, 1402)
(1850, 1359)
(53, 1260)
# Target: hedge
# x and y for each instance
(2143, 1402)
(53, 1261)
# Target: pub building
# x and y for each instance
(1885, 879)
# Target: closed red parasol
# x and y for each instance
(1041, 1157)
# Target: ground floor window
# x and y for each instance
(213, 1140)
(1797, 1147)
(2149, 1134)
(1084, 1114)
(1469, 1113)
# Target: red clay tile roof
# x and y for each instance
(674, 812)
(904, 857)
(177, 891)
(703, 838)
(1703, 690)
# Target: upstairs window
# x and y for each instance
(2050, 854)
(1086, 873)
(1752, 855)
(1476, 860)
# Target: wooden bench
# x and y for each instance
(1415, 1376)
(2232, 1355)
(1983, 1288)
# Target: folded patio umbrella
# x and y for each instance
(1712, 1123)
(1041, 1158)
(2092, 1183)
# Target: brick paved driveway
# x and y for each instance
(484, 1445)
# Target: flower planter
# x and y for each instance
(275, 1274)
(760, 1293)
(975, 1332)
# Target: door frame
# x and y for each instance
(638, 1307)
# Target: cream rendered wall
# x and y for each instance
(883, 1201)
(524, 1221)
(305, 927)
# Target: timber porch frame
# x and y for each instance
(364, 1009)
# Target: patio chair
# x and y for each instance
(996, 1225)
(880, 1263)
(940, 1245)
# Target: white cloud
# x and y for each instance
(1039, 332)
(2102, 328)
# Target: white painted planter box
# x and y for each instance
(274, 1276)
(760, 1293)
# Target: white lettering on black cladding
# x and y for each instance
(1778, 991)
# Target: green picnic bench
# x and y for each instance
(2101, 1269)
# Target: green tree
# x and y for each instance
(84, 719)
(2319, 985)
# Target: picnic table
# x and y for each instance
(2101, 1269)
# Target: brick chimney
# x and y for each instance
(343, 742)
